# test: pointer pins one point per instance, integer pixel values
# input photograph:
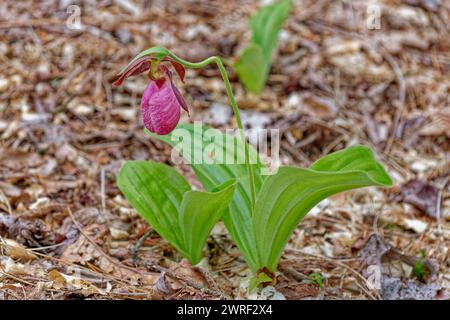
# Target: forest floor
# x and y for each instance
(65, 132)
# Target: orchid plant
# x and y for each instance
(260, 211)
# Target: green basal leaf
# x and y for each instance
(285, 198)
(155, 190)
(253, 64)
(199, 212)
(238, 218)
(266, 25)
(164, 198)
(249, 67)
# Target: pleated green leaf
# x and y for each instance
(251, 68)
(238, 218)
(199, 212)
(253, 64)
(266, 25)
(164, 198)
(285, 198)
(155, 190)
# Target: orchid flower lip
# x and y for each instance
(160, 108)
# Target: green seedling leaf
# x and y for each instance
(253, 64)
(164, 198)
(266, 25)
(285, 198)
(317, 278)
(250, 68)
(420, 269)
(238, 218)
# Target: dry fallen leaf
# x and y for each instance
(422, 195)
(18, 269)
(163, 286)
(16, 251)
(439, 125)
(321, 107)
(391, 270)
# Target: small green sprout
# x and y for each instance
(317, 278)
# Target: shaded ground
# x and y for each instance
(65, 132)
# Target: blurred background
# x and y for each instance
(346, 72)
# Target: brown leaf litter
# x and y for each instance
(66, 230)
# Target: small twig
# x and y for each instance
(102, 189)
(318, 6)
(297, 153)
(170, 273)
(97, 247)
(209, 278)
(47, 247)
(332, 145)
(218, 245)
(340, 264)
(293, 273)
(134, 251)
(84, 269)
(438, 205)
(222, 248)
(402, 96)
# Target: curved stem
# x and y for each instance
(240, 126)
(223, 72)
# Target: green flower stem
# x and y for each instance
(223, 72)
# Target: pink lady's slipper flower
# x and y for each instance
(161, 101)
